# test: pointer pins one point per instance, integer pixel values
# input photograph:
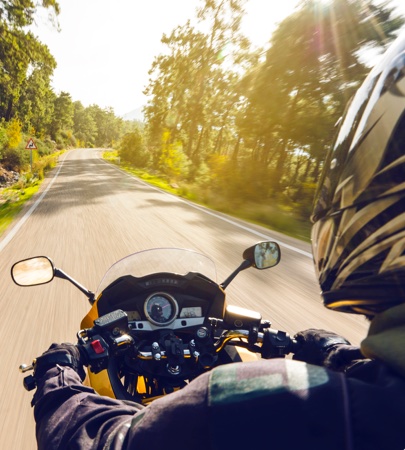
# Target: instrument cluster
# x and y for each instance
(162, 309)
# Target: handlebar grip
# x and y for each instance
(277, 343)
(295, 346)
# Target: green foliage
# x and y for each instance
(132, 149)
(173, 162)
(3, 137)
(25, 63)
(262, 122)
(109, 127)
(12, 200)
(28, 106)
(111, 156)
(15, 159)
(13, 133)
(62, 119)
(43, 165)
(192, 93)
(84, 124)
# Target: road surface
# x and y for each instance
(88, 215)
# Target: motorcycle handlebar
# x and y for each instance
(273, 343)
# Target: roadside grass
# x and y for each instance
(154, 180)
(274, 217)
(13, 198)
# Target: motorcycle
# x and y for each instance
(158, 320)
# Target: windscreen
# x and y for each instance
(172, 260)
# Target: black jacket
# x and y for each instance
(276, 404)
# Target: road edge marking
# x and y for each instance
(16, 228)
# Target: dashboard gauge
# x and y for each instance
(133, 315)
(161, 309)
(191, 311)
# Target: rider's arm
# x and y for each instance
(71, 415)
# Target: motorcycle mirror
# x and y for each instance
(33, 271)
(263, 255)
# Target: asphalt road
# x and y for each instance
(88, 215)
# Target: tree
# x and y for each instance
(35, 105)
(312, 67)
(132, 148)
(193, 87)
(173, 162)
(20, 52)
(62, 120)
(108, 125)
(84, 125)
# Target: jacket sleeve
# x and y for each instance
(70, 415)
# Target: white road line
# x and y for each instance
(209, 212)
(25, 217)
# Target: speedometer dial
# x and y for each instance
(161, 308)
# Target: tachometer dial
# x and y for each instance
(161, 308)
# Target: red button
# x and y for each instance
(97, 347)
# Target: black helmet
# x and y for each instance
(358, 236)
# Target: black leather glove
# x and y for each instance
(317, 346)
(64, 355)
(342, 357)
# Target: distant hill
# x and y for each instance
(136, 114)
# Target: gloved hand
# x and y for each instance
(64, 355)
(317, 346)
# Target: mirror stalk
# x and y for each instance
(245, 265)
(89, 294)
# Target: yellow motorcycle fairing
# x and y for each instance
(100, 382)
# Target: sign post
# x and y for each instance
(31, 146)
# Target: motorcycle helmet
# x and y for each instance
(358, 234)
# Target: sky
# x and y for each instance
(105, 48)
